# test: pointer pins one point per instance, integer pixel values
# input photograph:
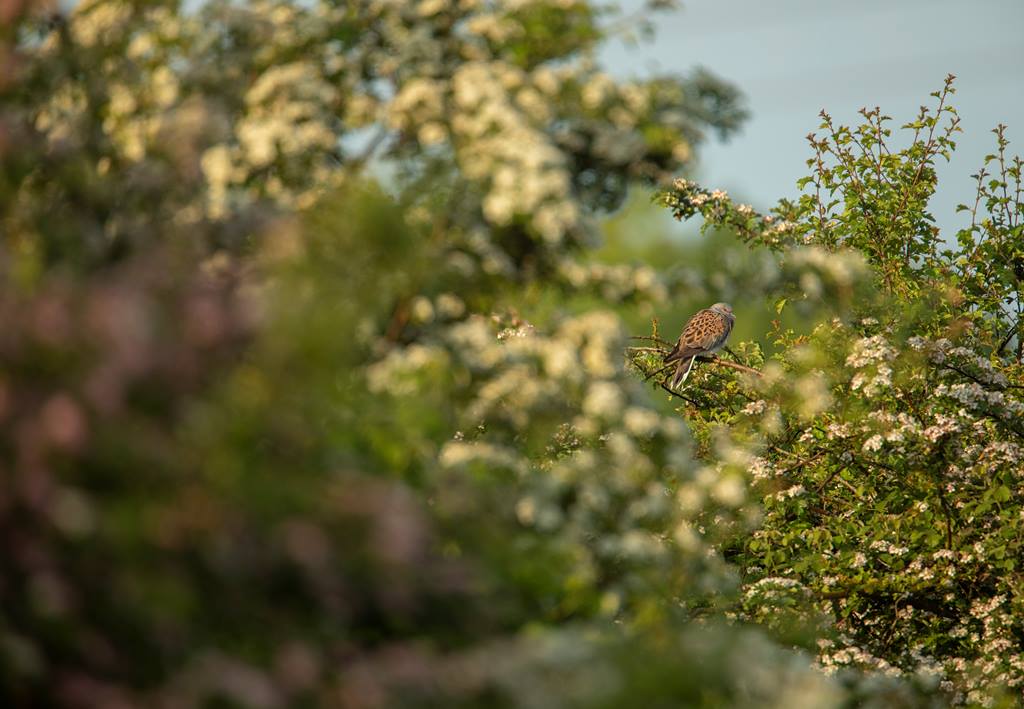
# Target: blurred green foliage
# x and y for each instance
(885, 444)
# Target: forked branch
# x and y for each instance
(661, 351)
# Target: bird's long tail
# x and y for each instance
(680, 376)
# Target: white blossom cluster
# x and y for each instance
(285, 112)
(499, 143)
(824, 267)
(968, 419)
(626, 466)
(615, 283)
(870, 350)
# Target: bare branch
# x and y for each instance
(732, 365)
(649, 338)
(676, 394)
(710, 360)
(1009, 336)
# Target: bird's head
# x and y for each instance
(723, 309)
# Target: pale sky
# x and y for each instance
(791, 58)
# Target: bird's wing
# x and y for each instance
(702, 332)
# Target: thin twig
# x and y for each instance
(647, 375)
(800, 463)
(649, 338)
(1009, 336)
(676, 394)
(978, 380)
(827, 480)
(711, 360)
(652, 375)
(733, 354)
(357, 161)
(732, 365)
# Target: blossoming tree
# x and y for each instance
(885, 443)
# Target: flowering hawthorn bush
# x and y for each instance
(884, 441)
(514, 136)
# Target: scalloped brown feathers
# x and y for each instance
(704, 333)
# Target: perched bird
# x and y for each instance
(705, 333)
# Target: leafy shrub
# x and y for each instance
(886, 442)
